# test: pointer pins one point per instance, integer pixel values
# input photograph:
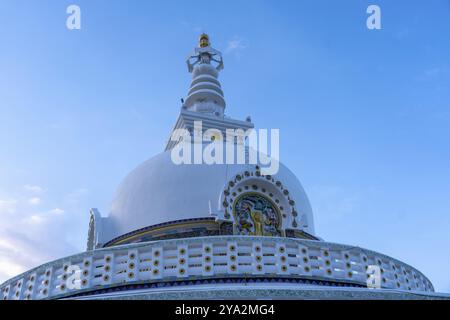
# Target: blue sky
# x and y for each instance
(364, 115)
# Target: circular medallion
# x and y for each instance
(256, 215)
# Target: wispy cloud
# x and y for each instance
(433, 73)
(33, 189)
(57, 211)
(236, 46)
(34, 219)
(9, 268)
(7, 206)
(35, 201)
(30, 237)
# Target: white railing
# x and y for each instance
(208, 258)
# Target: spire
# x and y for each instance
(205, 102)
(205, 94)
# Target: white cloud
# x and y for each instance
(20, 252)
(8, 206)
(33, 189)
(34, 201)
(57, 211)
(236, 46)
(433, 73)
(10, 269)
(29, 238)
(34, 219)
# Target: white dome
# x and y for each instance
(159, 191)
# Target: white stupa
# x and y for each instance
(214, 231)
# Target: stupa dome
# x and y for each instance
(158, 191)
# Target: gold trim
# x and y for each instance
(162, 228)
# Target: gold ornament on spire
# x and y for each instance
(203, 40)
(205, 54)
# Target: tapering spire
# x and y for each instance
(205, 94)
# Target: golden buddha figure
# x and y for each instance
(258, 219)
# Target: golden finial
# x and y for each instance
(203, 40)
